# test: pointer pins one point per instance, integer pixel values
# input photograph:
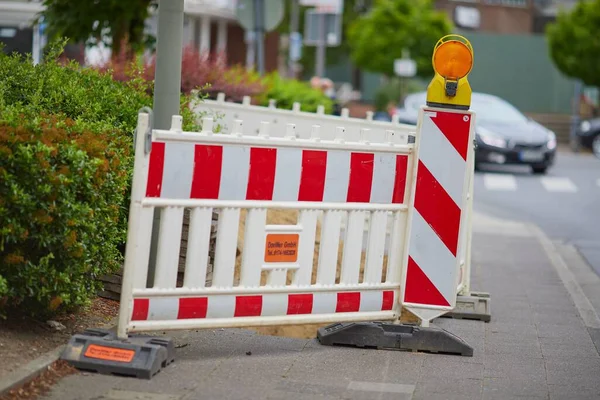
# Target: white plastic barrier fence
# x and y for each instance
(418, 189)
(233, 173)
(225, 113)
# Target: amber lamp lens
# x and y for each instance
(453, 60)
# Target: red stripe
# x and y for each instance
(388, 300)
(192, 307)
(312, 178)
(348, 302)
(261, 176)
(207, 172)
(419, 288)
(155, 169)
(400, 179)
(140, 309)
(456, 130)
(361, 177)
(437, 208)
(248, 306)
(300, 304)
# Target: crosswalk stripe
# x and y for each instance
(557, 184)
(504, 182)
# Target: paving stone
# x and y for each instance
(511, 388)
(464, 387)
(569, 350)
(451, 368)
(582, 371)
(515, 368)
(528, 350)
(561, 392)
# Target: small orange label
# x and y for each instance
(281, 248)
(109, 353)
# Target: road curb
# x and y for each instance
(584, 307)
(29, 371)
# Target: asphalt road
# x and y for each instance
(565, 202)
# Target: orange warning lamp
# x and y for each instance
(452, 61)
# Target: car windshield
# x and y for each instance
(486, 108)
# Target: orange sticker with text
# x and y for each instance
(281, 248)
(109, 353)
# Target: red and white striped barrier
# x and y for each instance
(436, 221)
(410, 195)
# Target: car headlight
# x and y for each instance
(585, 126)
(551, 143)
(492, 140)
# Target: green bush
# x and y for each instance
(66, 157)
(288, 91)
(61, 190)
(393, 90)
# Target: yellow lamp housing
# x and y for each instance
(452, 61)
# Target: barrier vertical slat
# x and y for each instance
(135, 241)
(397, 248)
(277, 277)
(197, 248)
(306, 248)
(328, 249)
(169, 239)
(225, 251)
(375, 247)
(254, 247)
(353, 243)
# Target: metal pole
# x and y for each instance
(575, 116)
(294, 22)
(259, 26)
(320, 62)
(167, 86)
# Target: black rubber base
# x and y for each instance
(138, 356)
(381, 335)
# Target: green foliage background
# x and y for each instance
(574, 41)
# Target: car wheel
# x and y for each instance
(539, 169)
(596, 146)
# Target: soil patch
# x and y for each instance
(24, 339)
(42, 383)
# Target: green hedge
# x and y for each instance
(288, 91)
(66, 157)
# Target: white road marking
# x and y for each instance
(598, 181)
(557, 184)
(381, 387)
(503, 182)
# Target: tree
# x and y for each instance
(115, 23)
(378, 38)
(574, 42)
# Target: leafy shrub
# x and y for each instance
(288, 91)
(62, 187)
(196, 71)
(393, 91)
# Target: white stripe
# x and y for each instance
(337, 176)
(234, 173)
(384, 173)
(221, 307)
(324, 303)
(163, 309)
(178, 170)
(442, 159)
(274, 305)
(556, 184)
(371, 301)
(598, 182)
(433, 257)
(287, 174)
(500, 182)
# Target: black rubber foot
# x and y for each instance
(381, 335)
(99, 350)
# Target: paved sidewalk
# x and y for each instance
(537, 346)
